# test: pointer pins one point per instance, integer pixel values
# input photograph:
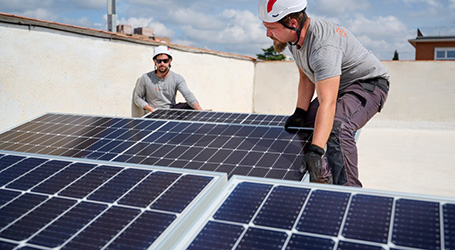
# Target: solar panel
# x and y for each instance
(218, 117)
(255, 213)
(57, 202)
(250, 150)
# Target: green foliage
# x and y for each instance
(271, 55)
(395, 56)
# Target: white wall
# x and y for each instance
(49, 71)
(421, 91)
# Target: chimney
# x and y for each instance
(111, 16)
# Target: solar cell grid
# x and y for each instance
(263, 151)
(60, 203)
(218, 117)
(274, 214)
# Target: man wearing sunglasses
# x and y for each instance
(158, 88)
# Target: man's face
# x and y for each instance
(162, 62)
(279, 34)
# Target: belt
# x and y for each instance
(370, 84)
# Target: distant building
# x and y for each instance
(435, 44)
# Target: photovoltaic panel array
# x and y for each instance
(58, 203)
(251, 150)
(218, 117)
(258, 213)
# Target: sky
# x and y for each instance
(233, 26)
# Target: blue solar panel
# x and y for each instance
(369, 212)
(255, 213)
(253, 150)
(218, 117)
(416, 224)
(63, 203)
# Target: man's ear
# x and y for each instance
(293, 23)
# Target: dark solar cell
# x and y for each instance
(324, 212)
(68, 225)
(7, 245)
(181, 193)
(37, 175)
(19, 207)
(368, 218)
(119, 185)
(256, 238)
(105, 228)
(217, 235)
(344, 245)
(282, 207)
(7, 195)
(143, 231)
(90, 182)
(9, 160)
(449, 225)
(149, 189)
(15, 167)
(243, 202)
(36, 219)
(416, 224)
(63, 178)
(298, 242)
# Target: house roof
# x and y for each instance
(440, 38)
(31, 22)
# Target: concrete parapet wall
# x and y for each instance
(45, 70)
(421, 91)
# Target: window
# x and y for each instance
(444, 54)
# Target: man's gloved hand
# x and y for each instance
(312, 161)
(297, 119)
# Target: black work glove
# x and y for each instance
(312, 162)
(297, 119)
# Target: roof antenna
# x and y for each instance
(111, 16)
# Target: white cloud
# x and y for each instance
(382, 35)
(83, 22)
(41, 14)
(241, 32)
(195, 18)
(452, 4)
(159, 28)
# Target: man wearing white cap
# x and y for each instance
(158, 88)
(351, 85)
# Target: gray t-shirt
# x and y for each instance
(161, 93)
(330, 50)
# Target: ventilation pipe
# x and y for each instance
(111, 16)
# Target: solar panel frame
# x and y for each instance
(218, 117)
(359, 199)
(183, 216)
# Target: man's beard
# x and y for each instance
(163, 69)
(279, 46)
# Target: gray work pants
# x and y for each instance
(356, 105)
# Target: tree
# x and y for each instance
(270, 54)
(395, 56)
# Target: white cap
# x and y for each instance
(271, 11)
(161, 50)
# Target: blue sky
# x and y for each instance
(233, 26)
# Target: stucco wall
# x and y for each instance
(421, 91)
(52, 71)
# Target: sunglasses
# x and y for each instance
(162, 60)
